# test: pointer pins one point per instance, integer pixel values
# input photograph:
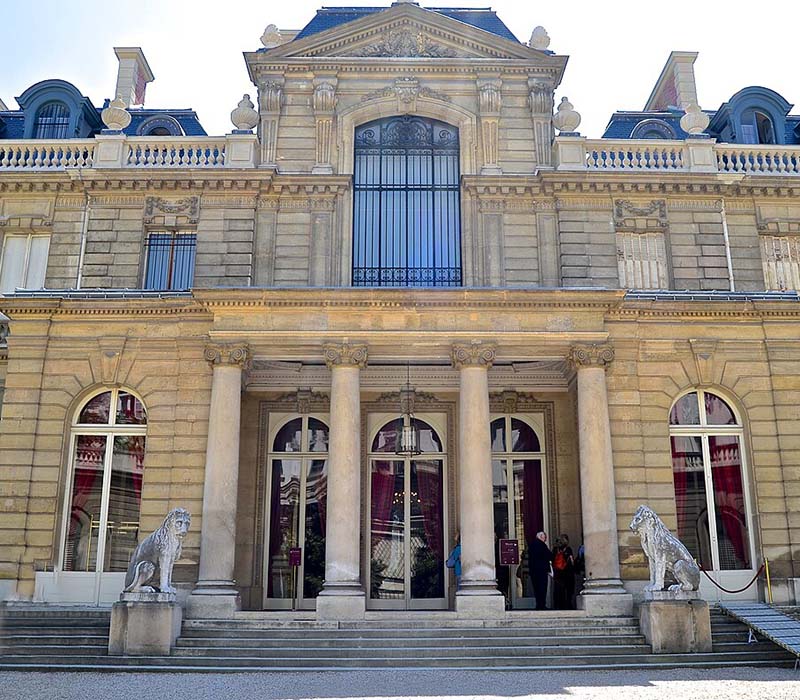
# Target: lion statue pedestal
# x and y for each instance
(673, 618)
(146, 620)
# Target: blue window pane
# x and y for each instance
(170, 261)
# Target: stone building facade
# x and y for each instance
(587, 325)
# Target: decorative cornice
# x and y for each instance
(593, 355)
(476, 354)
(345, 355)
(227, 354)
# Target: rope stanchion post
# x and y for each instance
(769, 582)
(738, 590)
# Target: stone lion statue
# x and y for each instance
(161, 549)
(665, 553)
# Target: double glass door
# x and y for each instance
(406, 516)
(518, 477)
(296, 510)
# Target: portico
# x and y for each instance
(373, 527)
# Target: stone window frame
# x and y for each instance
(428, 107)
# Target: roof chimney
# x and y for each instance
(133, 75)
(675, 86)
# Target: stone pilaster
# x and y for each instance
(270, 100)
(215, 594)
(324, 103)
(477, 592)
(540, 99)
(603, 592)
(490, 102)
(342, 596)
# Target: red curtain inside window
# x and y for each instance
(532, 513)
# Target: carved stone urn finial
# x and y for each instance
(566, 119)
(539, 40)
(115, 116)
(695, 121)
(271, 37)
(244, 117)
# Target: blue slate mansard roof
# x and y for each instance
(480, 17)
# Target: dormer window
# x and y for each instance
(52, 121)
(160, 125)
(757, 128)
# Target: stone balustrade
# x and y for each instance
(46, 155)
(761, 160)
(121, 151)
(689, 156)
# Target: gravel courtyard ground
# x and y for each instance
(686, 684)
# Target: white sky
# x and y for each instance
(617, 48)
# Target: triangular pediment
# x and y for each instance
(405, 31)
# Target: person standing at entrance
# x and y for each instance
(563, 574)
(454, 560)
(540, 558)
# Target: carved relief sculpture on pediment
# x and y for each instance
(406, 43)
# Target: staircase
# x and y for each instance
(44, 638)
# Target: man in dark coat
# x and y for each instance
(540, 558)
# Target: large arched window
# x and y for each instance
(52, 121)
(101, 520)
(298, 468)
(406, 221)
(710, 488)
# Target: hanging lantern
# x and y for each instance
(408, 435)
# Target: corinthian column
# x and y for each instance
(342, 596)
(603, 592)
(477, 593)
(215, 594)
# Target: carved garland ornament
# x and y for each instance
(475, 354)
(626, 213)
(406, 90)
(189, 206)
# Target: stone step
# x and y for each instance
(424, 640)
(69, 649)
(52, 639)
(428, 661)
(234, 630)
(389, 653)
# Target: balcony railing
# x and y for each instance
(120, 151)
(689, 156)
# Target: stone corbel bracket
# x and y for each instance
(270, 102)
(324, 104)
(540, 101)
(490, 101)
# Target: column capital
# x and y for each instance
(345, 355)
(227, 353)
(592, 355)
(476, 354)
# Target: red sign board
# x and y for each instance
(295, 556)
(509, 552)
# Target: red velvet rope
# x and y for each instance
(740, 590)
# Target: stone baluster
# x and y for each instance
(324, 103)
(603, 592)
(342, 596)
(215, 594)
(477, 592)
(490, 102)
(540, 100)
(270, 98)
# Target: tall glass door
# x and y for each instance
(297, 494)
(518, 477)
(406, 511)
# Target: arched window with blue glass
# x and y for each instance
(406, 222)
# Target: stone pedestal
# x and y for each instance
(216, 595)
(676, 626)
(144, 624)
(342, 596)
(477, 594)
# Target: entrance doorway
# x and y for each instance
(297, 489)
(406, 513)
(519, 484)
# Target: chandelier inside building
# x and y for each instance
(408, 434)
